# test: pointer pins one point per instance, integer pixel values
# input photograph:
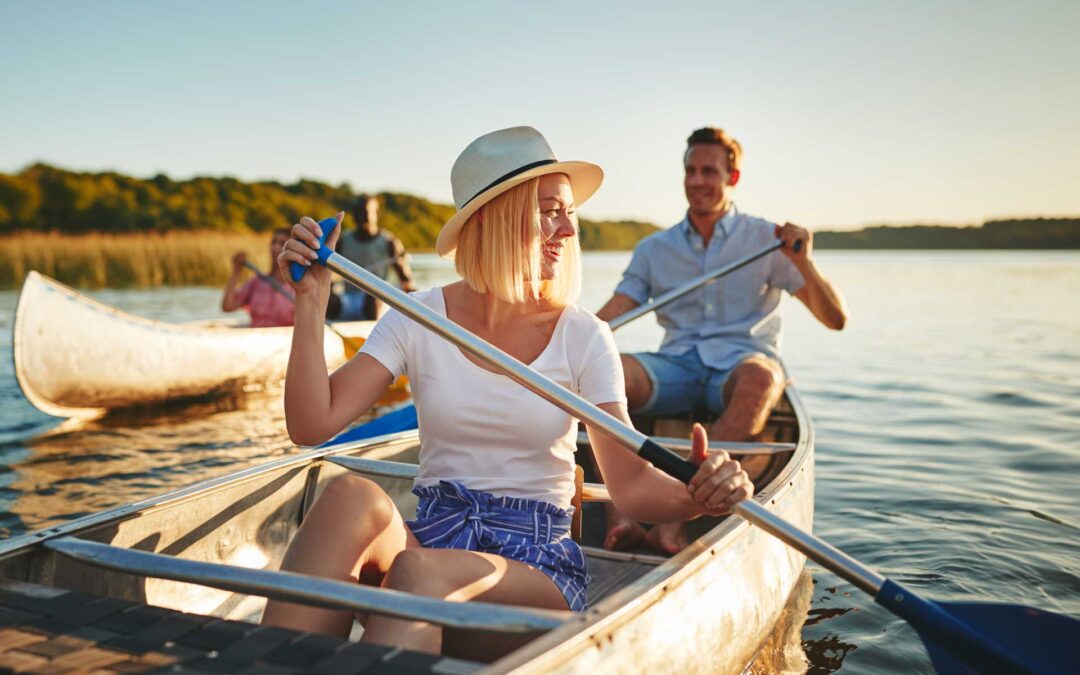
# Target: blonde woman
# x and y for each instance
(496, 461)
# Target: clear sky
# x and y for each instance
(850, 113)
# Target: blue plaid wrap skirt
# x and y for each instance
(536, 533)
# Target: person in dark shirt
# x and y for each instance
(377, 251)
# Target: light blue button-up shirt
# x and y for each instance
(733, 317)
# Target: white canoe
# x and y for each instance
(76, 357)
(209, 549)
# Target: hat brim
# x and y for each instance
(585, 179)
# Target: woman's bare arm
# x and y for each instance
(318, 405)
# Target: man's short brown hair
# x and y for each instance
(717, 136)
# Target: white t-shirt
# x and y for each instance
(484, 430)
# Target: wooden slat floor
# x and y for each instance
(47, 630)
(609, 576)
(50, 630)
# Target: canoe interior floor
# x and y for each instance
(44, 629)
(608, 576)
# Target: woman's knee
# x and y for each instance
(418, 571)
(349, 496)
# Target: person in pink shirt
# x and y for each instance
(269, 300)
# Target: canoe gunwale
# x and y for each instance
(310, 590)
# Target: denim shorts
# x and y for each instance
(536, 533)
(682, 385)
(354, 306)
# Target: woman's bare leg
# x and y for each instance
(352, 533)
(457, 575)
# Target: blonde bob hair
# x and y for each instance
(499, 246)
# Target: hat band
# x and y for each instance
(508, 176)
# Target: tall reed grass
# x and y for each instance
(127, 260)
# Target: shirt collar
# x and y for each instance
(723, 224)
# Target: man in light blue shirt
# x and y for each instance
(720, 356)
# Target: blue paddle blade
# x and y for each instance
(986, 638)
(296, 270)
(1043, 642)
(403, 419)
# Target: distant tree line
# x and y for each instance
(44, 198)
(1029, 233)
(48, 199)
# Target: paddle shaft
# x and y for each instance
(276, 285)
(694, 284)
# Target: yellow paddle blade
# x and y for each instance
(351, 345)
(396, 393)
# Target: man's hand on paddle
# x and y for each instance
(301, 248)
(720, 482)
(791, 234)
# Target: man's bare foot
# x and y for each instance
(667, 538)
(622, 532)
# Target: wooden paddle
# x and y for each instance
(960, 637)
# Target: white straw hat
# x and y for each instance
(496, 162)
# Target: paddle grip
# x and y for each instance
(327, 225)
(797, 246)
(667, 461)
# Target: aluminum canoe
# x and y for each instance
(713, 608)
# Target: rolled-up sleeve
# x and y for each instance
(636, 283)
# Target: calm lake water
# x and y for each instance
(947, 418)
